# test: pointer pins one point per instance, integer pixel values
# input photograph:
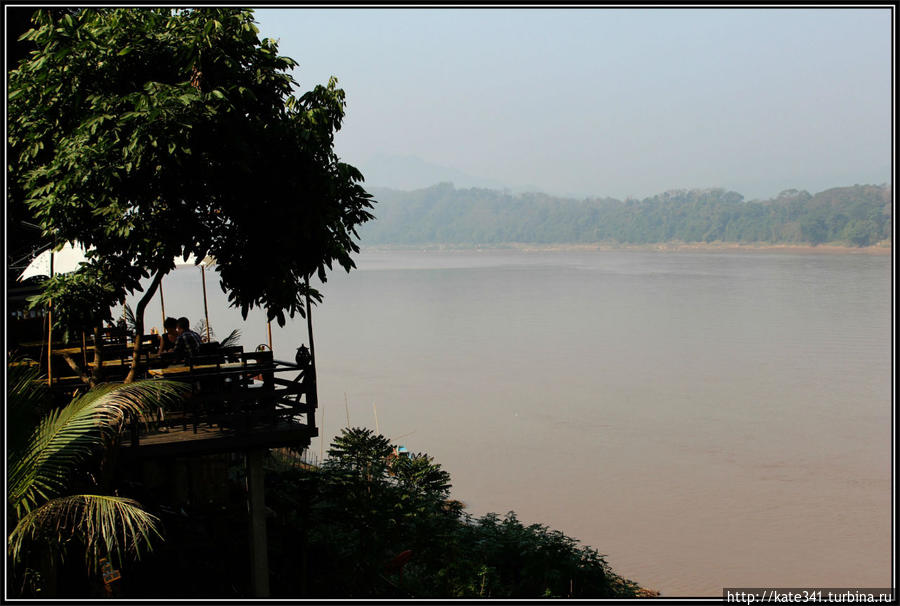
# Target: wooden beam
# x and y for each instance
(181, 443)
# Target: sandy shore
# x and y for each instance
(879, 249)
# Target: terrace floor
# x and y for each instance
(211, 439)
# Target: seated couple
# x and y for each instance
(178, 341)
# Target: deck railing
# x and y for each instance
(235, 393)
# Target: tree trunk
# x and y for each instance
(139, 324)
(81, 372)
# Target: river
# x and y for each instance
(704, 419)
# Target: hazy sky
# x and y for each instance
(608, 102)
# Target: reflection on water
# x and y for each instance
(703, 419)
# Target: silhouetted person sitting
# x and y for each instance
(169, 336)
(188, 342)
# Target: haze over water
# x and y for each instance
(703, 419)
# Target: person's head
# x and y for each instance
(170, 325)
(183, 325)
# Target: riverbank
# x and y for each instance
(833, 248)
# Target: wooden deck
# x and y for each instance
(238, 400)
(233, 406)
(212, 439)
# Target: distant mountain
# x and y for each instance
(412, 172)
(858, 215)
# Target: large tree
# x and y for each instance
(148, 134)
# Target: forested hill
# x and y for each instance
(859, 215)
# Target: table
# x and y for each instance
(68, 350)
(183, 369)
(24, 363)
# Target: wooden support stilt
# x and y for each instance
(259, 557)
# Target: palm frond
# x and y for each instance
(130, 322)
(65, 437)
(26, 397)
(23, 387)
(107, 525)
(232, 338)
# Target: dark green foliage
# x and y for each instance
(57, 500)
(84, 299)
(501, 557)
(148, 134)
(359, 452)
(339, 529)
(418, 474)
(859, 216)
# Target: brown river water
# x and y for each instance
(704, 419)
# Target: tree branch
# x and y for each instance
(78, 370)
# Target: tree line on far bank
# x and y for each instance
(858, 215)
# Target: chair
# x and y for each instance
(232, 353)
(114, 335)
(208, 353)
(151, 341)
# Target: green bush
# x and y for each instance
(344, 529)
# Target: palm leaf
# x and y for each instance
(66, 437)
(231, 339)
(106, 524)
(130, 321)
(26, 397)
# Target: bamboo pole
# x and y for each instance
(205, 309)
(50, 343)
(50, 331)
(322, 438)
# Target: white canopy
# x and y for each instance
(68, 259)
(192, 260)
(65, 260)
